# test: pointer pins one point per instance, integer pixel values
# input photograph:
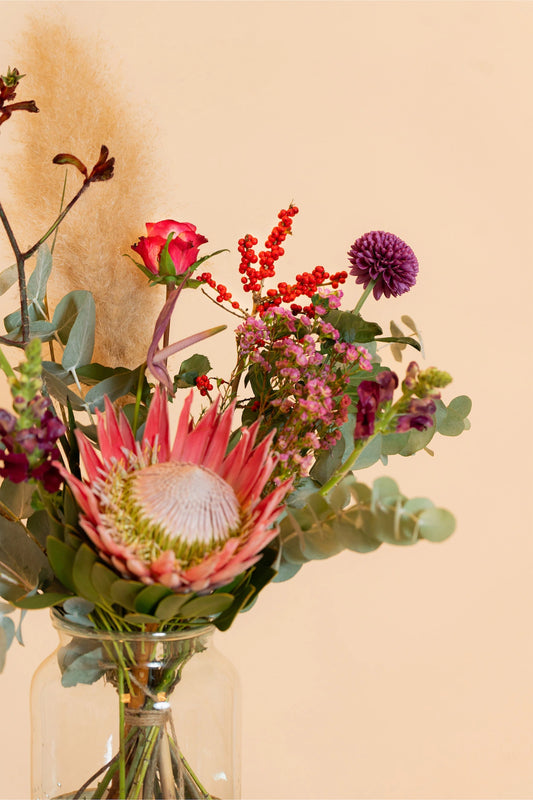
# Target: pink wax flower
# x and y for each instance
(182, 248)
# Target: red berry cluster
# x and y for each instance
(252, 276)
(306, 285)
(222, 290)
(203, 384)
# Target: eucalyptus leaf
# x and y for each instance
(395, 330)
(286, 571)
(451, 421)
(147, 600)
(39, 525)
(59, 390)
(417, 440)
(80, 343)
(123, 382)
(80, 661)
(93, 373)
(409, 517)
(393, 443)
(436, 524)
(22, 562)
(379, 514)
(84, 560)
(124, 593)
(385, 493)
(38, 329)
(351, 533)
(78, 606)
(8, 278)
(206, 605)
(7, 634)
(17, 497)
(301, 493)
(38, 280)
(18, 630)
(103, 579)
(56, 370)
(170, 606)
(326, 462)
(61, 558)
(141, 619)
(44, 600)
(370, 453)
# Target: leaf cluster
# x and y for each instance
(50, 562)
(354, 516)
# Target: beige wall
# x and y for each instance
(405, 673)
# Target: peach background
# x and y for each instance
(405, 673)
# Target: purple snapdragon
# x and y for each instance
(29, 443)
(28, 437)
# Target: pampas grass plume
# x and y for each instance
(81, 108)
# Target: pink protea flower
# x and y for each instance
(185, 515)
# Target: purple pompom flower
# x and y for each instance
(384, 258)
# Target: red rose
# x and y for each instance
(182, 248)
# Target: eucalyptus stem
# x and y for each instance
(363, 297)
(20, 259)
(344, 468)
(360, 444)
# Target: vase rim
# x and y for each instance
(60, 623)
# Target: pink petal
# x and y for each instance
(156, 431)
(198, 439)
(182, 429)
(166, 226)
(217, 446)
(90, 459)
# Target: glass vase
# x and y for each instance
(144, 715)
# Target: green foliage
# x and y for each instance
(352, 327)
(74, 320)
(23, 565)
(8, 278)
(191, 369)
(15, 499)
(356, 517)
(399, 341)
(452, 421)
(80, 662)
(7, 634)
(36, 293)
(120, 384)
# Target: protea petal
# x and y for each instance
(156, 432)
(183, 427)
(89, 456)
(189, 516)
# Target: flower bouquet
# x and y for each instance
(130, 530)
